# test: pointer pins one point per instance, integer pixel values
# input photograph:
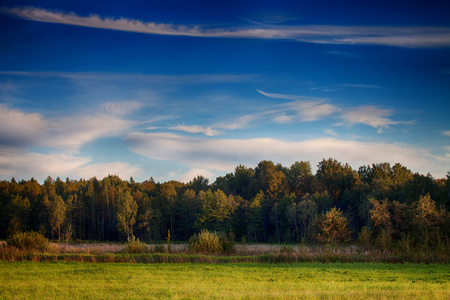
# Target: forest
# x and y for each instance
(379, 204)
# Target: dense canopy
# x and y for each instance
(267, 203)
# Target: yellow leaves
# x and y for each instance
(333, 227)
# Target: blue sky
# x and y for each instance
(176, 89)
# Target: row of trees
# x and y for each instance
(268, 203)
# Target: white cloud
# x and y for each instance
(330, 132)
(209, 131)
(20, 129)
(447, 132)
(288, 96)
(309, 111)
(312, 109)
(21, 164)
(323, 34)
(74, 132)
(24, 165)
(224, 154)
(121, 108)
(282, 119)
(238, 123)
(191, 174)
(369, 115)
(123, 170)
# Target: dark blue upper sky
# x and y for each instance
(175, 89)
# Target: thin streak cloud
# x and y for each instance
(320, 34)
(196, 129)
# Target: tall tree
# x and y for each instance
(216, 211)
(126, 213)
(57, 214)
(299, 177)
(336, 178)
(270, 179)
(19, 209)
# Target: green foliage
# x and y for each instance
(208, 242)
(29, 241)
(134, 245)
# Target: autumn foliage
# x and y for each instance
(378, 205)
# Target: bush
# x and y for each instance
(134, 245)
(211, 242)
(364, 237)
(29, 241)
(159, 248)
(227, 242)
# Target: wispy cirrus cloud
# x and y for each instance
(209, 131)
(342, 86)
(312, 110)
(122, 108)
(300, 108)
(321, 34)
(136, 77)
(225, 154)
(370, 115)
(308, 111)
(446, 132)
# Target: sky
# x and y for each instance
(176, 89)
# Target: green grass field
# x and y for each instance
(38, 280)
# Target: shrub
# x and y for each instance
(159, 248)
(29, 241)
(211, 242)
(227, 242)
(205, 242)
(134, 245)
(364, 237)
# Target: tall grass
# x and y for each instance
(243, 253)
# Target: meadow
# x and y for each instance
(38, 280)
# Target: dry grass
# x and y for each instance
(82, 248)
(104, 248)
(263, 253)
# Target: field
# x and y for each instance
(39, 280)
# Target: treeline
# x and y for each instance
(378, 204)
